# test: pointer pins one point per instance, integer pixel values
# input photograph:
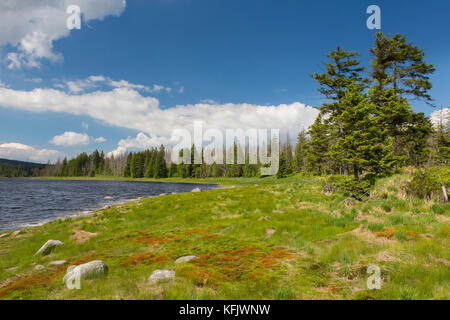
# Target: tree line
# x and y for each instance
(366, 129)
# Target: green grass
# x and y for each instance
(318, 246)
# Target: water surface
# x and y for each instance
(28, 202)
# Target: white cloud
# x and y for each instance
(117, 152)
(127, 108)
(18, 151)
(93, 82)
(100, 139)
(141, 141)
(31, 26)
(70, 139)
(208, 101)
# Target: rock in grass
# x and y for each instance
(48, 247)
(39, 267)
(196, 190)
(13, 269)
(3, 235)
(270, 232)
(185, 259)
(90, 270)
(57, 263)
(160, 275)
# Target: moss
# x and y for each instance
(320, 250)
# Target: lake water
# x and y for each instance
(28, 202)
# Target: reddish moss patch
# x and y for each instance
(209, 236)
(196, 230)
(241, 264)
(33, 280)
(152, 239)
(88, 258)
(199, 276)
(147, 259)
(274, 257)
(386, 233)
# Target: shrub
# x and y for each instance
(427, 184)
(347, 184)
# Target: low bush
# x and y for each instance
(426, 184)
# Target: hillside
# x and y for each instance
(23, 164)
(15, 168)
(261, 239)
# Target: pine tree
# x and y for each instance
(282, 169)
(416, 139)
(318, 146)
(299, 160)
(343, 71)
(401, 66)
(127, 170)
(160, 169)
(362, 147)
(289, 156)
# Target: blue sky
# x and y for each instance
(204, 56)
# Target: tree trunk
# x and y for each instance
(444, 190)
(355, 171)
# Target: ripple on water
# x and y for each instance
(30, 202)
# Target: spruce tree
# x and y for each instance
(318, 146)
(400, 65)
(299, 160)
(282, 169)
(343, 70)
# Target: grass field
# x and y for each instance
(261, 239)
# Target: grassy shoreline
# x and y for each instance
(221, 181)
(263, 239)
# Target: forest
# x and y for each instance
(366, 130)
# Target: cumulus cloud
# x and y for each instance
(116, 152)
(127, 108)
(31, 26)
(18, 151)
(70, 139)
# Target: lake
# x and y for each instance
(29, 202)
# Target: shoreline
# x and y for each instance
(113, 178)
(94, 212)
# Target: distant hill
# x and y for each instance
(23, 164)
(15, 168)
